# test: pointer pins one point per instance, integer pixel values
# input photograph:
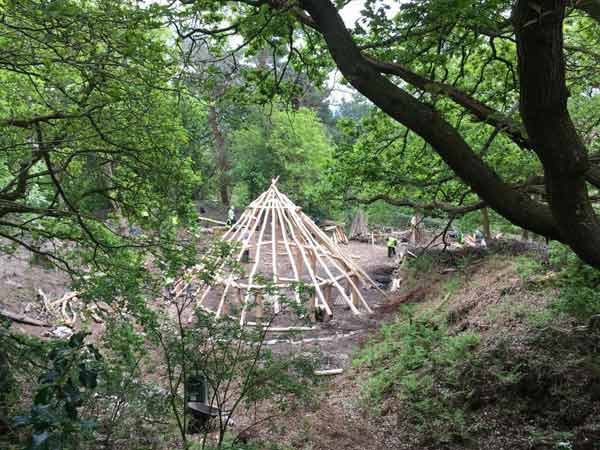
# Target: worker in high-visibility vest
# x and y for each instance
(231, 216)
(391, 246)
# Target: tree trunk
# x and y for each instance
(569, 217)
(221, 155)
(539, 30)
(592, 7)
(6, 387)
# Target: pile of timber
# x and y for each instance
(63, 310)
(337, 233)
(216, 226)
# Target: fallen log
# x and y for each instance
(281, 329)
(206, 219)
(328, 372)
(65, 298)
(22, 318)
(332, 223)
(44, 298)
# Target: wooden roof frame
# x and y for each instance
(307, 248)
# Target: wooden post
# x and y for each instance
(288, 249)
(351, 289)
(240, 299)
(299, 264)
(311, 307)
(415, 228)
(327, 292)
(261, 234)
(225, 308)
(300, 222)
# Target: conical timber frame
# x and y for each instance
(273, 222)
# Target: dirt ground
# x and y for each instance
(21, 279)
(337, 419)
(338, 338)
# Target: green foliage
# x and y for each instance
(240, 371)
(452, 284)
(528, 266)
(423, 264)
(417, 361)
(234, 445)
(575, 285)
(92, 132)
(72, 375)
(135, 391)
(291, 145)
(579, 284)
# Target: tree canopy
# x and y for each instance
(470, 81)
(90, 124)
(121, 121)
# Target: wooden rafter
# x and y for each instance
(271, 226)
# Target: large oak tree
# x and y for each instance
(405, 63)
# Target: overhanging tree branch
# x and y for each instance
(428, 123)
(477, 108)
(448, 208)
(590, 7)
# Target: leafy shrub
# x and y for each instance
(578, 283)
(71, 376)
(423, 264)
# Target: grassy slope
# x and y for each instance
(488, 358)
(488, 350)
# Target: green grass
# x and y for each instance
(452, 285)
(412, 359)
(421, 264)
(515, 307)
(577, 283)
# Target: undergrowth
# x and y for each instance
(418, 361)
(538, 375)
(578, 284)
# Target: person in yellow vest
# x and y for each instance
(231, 216)
(391, 246)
